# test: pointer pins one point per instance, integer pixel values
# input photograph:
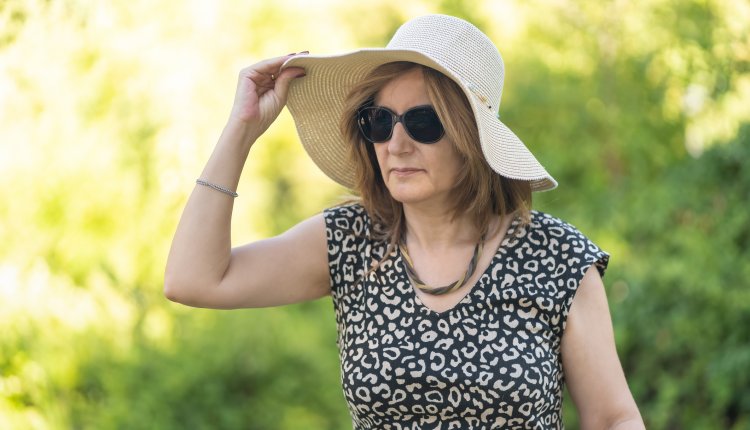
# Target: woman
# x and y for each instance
(457, 306)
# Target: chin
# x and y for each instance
(411, 196)
(403, 197)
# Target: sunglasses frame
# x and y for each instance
(395, 119)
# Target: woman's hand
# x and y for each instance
(262, 92)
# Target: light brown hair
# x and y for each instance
(479, 192)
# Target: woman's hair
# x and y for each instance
(479, 192)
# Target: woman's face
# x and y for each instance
(415, 173)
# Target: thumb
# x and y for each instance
(285, 78)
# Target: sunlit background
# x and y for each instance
(108, 110)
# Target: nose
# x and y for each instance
(400, 141)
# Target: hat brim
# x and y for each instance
(316, 103)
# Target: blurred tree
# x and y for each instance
(629, 103)
(687, 317)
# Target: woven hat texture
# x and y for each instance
(447, 44)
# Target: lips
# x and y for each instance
(405, 171)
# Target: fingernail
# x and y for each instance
(305, 52)
(293, 53)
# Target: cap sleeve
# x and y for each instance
(573, 255)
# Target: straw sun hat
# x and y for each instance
(447, 44)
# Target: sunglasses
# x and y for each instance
(421, 123)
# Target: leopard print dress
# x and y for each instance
(492, 361)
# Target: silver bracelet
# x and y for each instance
(216, 187)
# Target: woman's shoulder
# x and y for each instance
(554, 229)
(565, 240)
(545, 221)
(348, 218)
(346, 210)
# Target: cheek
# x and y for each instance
(448, 177)
(451, 167)
(379, 153)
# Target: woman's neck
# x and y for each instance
(436, 230)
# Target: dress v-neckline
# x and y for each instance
(471, 291)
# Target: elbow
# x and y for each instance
(177, 290)
(171, 289)
(189, 293)
(171, 294)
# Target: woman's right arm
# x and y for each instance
(202, 268)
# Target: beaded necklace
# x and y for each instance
(438, 291)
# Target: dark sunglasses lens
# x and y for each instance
(424, 125)
(381, 124)
(376, 124)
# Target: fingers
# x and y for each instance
(285, 77)
(278, 79)
(262, 89)
(267, 73)
(271, 67)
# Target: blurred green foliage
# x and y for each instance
(641, 110)
(695, 279)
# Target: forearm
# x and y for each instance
(201, 247)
